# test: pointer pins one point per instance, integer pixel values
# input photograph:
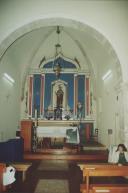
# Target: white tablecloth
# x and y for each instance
(54, 131)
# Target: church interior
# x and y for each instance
(64, 96)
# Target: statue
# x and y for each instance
(59, 104)
(79, 110)
(59, 97)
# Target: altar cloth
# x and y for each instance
(58, 132)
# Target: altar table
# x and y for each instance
(70, 133)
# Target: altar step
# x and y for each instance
(66, 150)
(91, 156)
(57, 151)
(92, 152)
(94, 146)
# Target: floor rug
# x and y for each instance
(53, 165)
(52, 186)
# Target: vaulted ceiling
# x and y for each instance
(29, 49)
(91, 52)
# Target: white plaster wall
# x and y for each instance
(9, 97)
(109, 106)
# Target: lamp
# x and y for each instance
(9, 78)
(58, 51)
(107, 75)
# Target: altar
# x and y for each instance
(56, 134)
(60, 107)
(70, 134)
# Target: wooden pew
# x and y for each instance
(97, 170)
(2, 170)
(21, 167)
(113, 188)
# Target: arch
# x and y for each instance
(67, 22)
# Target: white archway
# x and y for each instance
(14, 36)
(54, 22)
(46, 22)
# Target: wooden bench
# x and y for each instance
(2, 170)
(110, 188)
(113, 188)
(97, 170)
(21, 167)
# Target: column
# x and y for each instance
(87, 96)
(30, 97)
(75, 94)
(42, 95)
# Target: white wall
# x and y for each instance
(9, 97)
(109, 105)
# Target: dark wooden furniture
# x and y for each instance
(22, 167)
(86, 132)
(106, 188)
(93, 170)
(113, 188)
(2, 170)
(26, 134)
(11, 150)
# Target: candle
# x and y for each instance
(35, 113)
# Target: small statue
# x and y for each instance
(79, 110)
(59, 97)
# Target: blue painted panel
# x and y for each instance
(47, 98)
(81, 91)
(69, 78)
(36, 94)
(49, 78)
(63, 63)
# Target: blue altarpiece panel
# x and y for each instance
(49, 78)
(81, 92)
(63, 63)
(36, 94)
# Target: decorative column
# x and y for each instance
(42, 95)
(87, 96)
(75, 94)
(30, 97)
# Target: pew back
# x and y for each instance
(2, 170)
(90, 170)
(107, 171)
(110, 188)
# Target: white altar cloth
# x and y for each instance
(57, 132)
